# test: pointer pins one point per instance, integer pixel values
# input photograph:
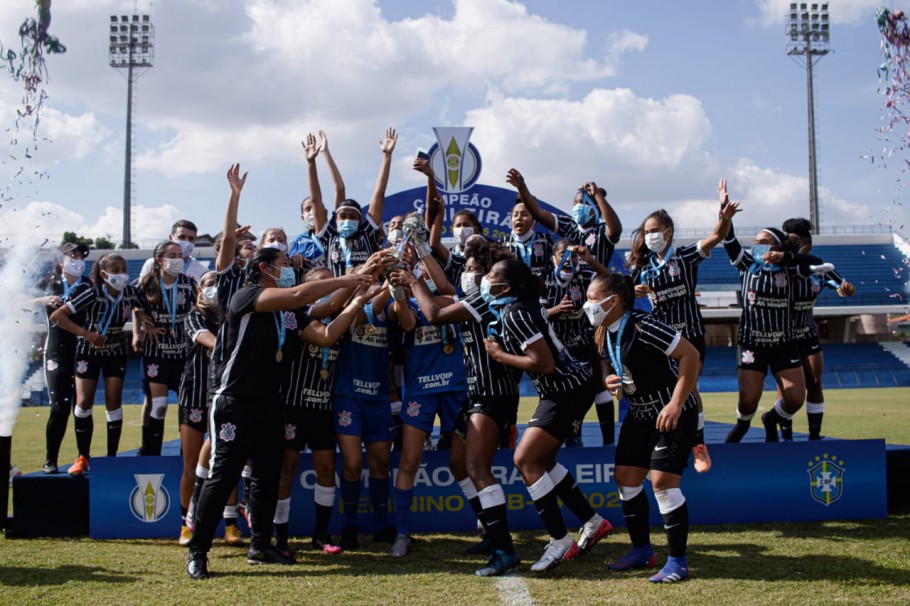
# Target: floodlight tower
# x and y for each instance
(132, 48)
(807, 42)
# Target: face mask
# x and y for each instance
(462, 234)
(277, 245)
(485, 286)
(582, 214)
(759, 251)
(347, 227)
(209, 293)
(172, 267)
(595, 311)
(287, 278)
(243, 263)
(186, 247)
(395, 236)
(308, 220)
(117, 281)
(566, 274)
(73, 267)
(468, 281)
(656, 242)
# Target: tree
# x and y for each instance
(103, 244)
(71, 236)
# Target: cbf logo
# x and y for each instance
(149, 500)
(826, 479)
(455, 162)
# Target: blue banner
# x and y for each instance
(134, 497)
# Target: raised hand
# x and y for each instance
(722, 191)
(514, 178)
(235, 180)
(590, 188)
(387, 146)
(323, 143)
(728, 210)
(423, 166)
(310, 149)
(241, 231)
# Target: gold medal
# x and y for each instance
(371, 329)
(324, 374)
(448, 348)
(279, 355)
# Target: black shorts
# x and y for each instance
(641, 445)
(502, 409)
(561, 414)
(308, 427)
(165, 371)
(778, 358)
(90, 367)
(808, 346)
(194, 417)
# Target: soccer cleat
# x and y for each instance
(639, 557)
(401, 546)
(349, 538)
(555, 554)
(50, 467)
(197, 565)
(326, 545)
(674, 571)
(815, 438)
(500, 563)
(269, 555)
(485, 547)
(592, 532)
(702, 458)
(186, 533)
(770, 429)
(386, 535)
(14, 472)
(79, 467)
(233, 536)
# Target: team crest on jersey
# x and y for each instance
(125, 313)
(181, 297)
(195, 415)
(313, 349)
(51, 365)
(574, 292)
(81, 366)
(826, 479)
(591, 239)
(290, 320)
(335, 256)
(290, 432)
(673, 269)
(151, 371)
(413, 409)
(344, 418)
(748, 357)
(780, 280)
(751, 296)
(227, 432)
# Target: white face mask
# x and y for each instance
(279, 245)
(308, 220)
(73, 267)
(656, 242)
(395, 236)
(117, 281)
(596, 312)
(468, 281)
(462, 234)
(209, 294)
(172, 267)
(186, 247)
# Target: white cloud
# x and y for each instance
(841, 12)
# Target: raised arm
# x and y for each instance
(277, 299)
(584, 253)
(614, 225)
(544, 217)
(435, 272)
(320, 214)
(228, 249)
(327, 335)
(435, 210)
(428, 303)
(386, 146)
(337, 181)
(722, 229)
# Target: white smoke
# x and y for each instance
(18, 274)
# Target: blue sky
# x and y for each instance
(653, 100)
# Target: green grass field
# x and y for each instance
(820, 563)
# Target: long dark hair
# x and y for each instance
(617, 284)
(639, 253)
(103, 263)
(525, 285)
(150, 284)
(263, 255)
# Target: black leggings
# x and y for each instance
(60, 376)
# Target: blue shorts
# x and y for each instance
(421, 410)
(371, 420)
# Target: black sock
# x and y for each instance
(544, 494)
(498, 530)
(739, 430)
(636, 513)
(230, 522)
(85, 427)
(183, 512)
(771, 420)
(786, 429)
(56, 429)
(676, 525)
(114, 429)
(156, 436)
(605, 417)
(247, 484)
(477, 508)
(323, 517)
(815, 424)
(574, 499)
(281, 535)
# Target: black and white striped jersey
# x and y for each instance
(522, 325)
(102, 312)
(573, 328)
(805, 292)
(486, 377)
(194, 382)
(345, 254)
(60, 345)
(648, 372)
(536, 251)
(177, 300)
(310, 378)
(228, 282)
(596, 239)
(673, 284)
(454, 268)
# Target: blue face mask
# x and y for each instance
(288, 278)
(582, 214)
(758, 252)
(347, 227)
(485, 286)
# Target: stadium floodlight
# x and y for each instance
(808, 35)
(132, 47)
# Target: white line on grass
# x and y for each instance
(513, 591)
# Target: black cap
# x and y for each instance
(71, 247)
